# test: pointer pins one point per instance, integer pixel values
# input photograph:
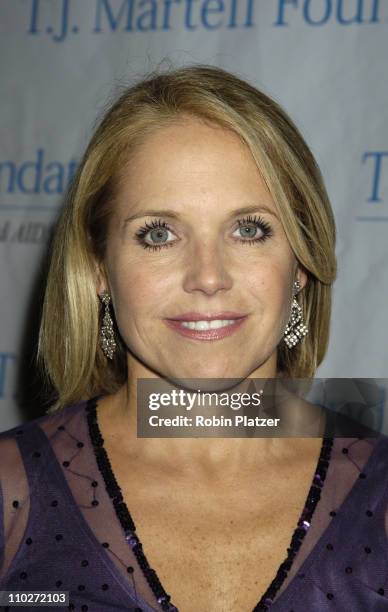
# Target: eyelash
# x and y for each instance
(255, 221)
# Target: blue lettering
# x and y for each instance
(209, 9)
(36, 176)
(281, 6)
(11, 176)
(114, 20)
(375, 11)
(54, 183)
(36, 169)
(34, 17)
(357, 18)
(64, 22)
(318, 12)
(167, 13)
(248, 23)
(189, 6)
(378, 157)
(233, 10)
(148, 17)
(324, 19)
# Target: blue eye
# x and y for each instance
(252, 224)
(158, 232)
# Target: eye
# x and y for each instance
(158, 234)
(154, 235)
(249, 227)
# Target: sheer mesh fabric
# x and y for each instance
(56, 512)
(342, 475)
(65, 473)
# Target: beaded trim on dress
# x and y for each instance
(129, 528)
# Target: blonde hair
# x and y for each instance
(68, 348)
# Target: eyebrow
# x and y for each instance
(173, 215)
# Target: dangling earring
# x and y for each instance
(296, 327)
(107, 340)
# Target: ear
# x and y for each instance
(301, 275)
(101, 278)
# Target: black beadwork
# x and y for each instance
(299, 533)
(121, 509)
(129, 527)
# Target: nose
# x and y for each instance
(207, 269)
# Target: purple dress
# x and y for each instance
(59, 530)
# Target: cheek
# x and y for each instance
(138, 290)
(270, 281)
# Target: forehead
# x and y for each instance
(191, 165)
(188, 133)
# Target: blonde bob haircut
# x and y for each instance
(68, 348)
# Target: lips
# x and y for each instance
(206, 334)
(198, 316)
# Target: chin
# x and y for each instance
(205, 372)
(211, 384)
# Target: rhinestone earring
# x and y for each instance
(296, 328)
(107, 340)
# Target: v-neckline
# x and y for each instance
(282, 599)
(91, 406)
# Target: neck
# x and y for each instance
(200, 457)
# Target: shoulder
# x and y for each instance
(49, 418)
(16, 442)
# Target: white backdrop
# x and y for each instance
(325, 61)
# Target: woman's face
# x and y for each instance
(178, 242)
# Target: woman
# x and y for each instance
(196, 199)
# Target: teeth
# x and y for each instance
(202, 325)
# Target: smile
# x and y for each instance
(215, 324)
(216, 329)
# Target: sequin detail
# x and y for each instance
(129, 528)
(302, 527)
(122, 511)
